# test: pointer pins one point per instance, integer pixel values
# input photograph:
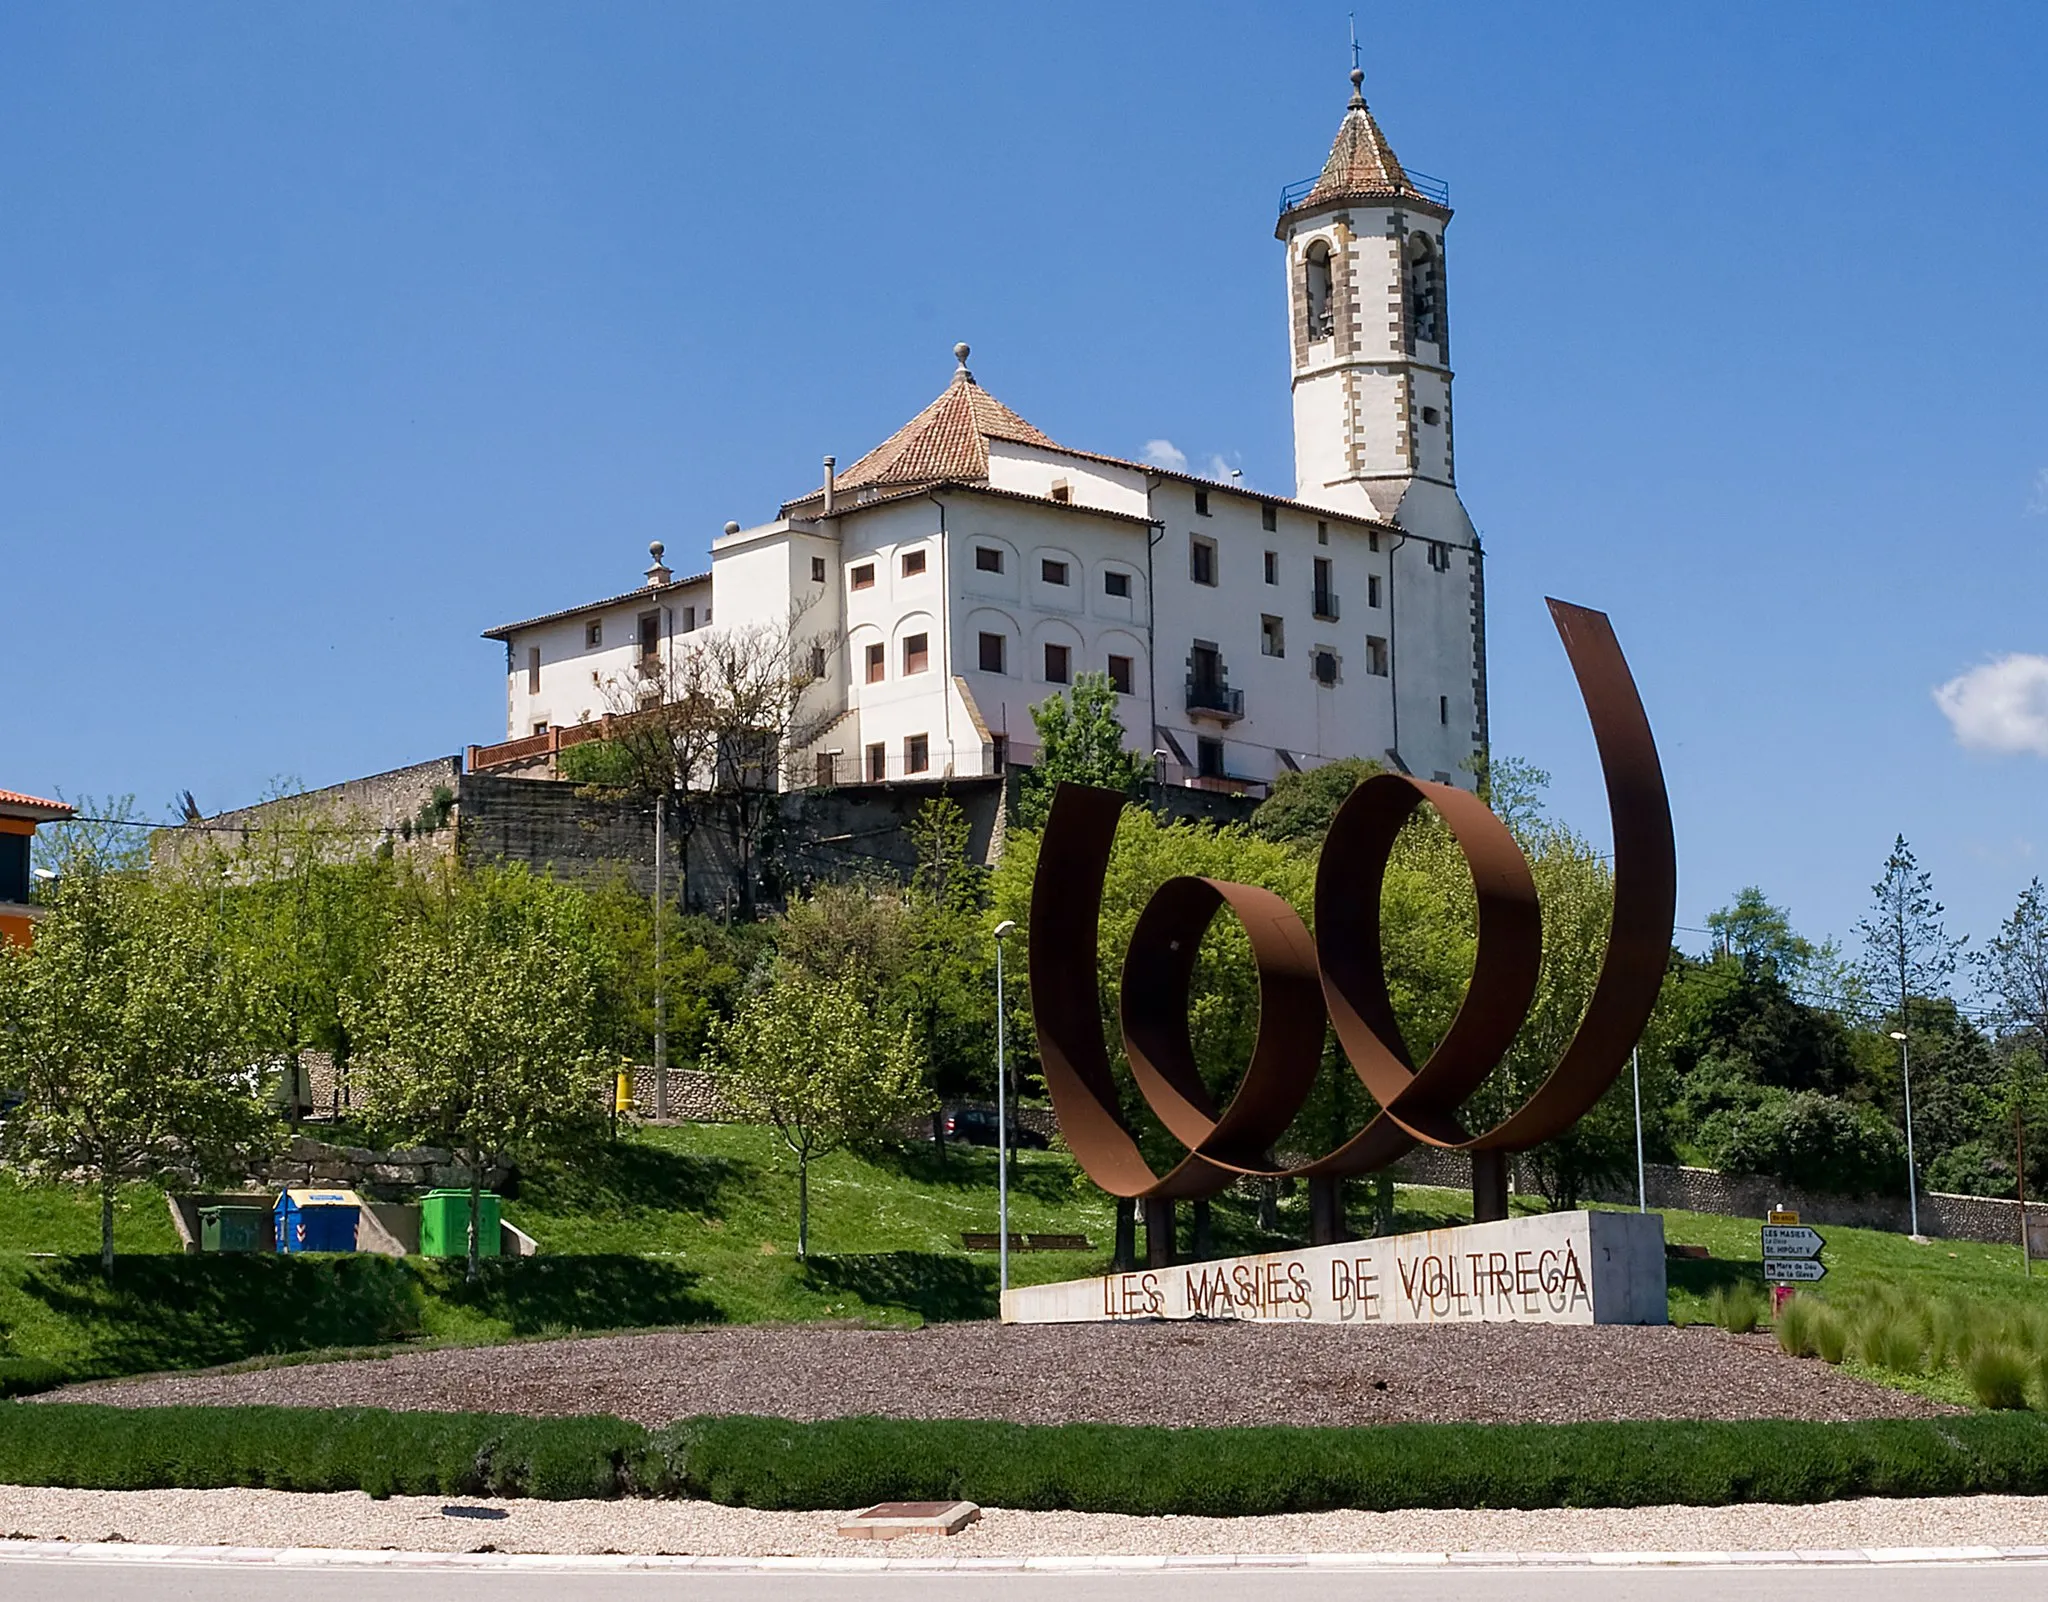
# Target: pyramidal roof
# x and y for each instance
(1362, 165)
(947, 440)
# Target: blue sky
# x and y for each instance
(332, 335)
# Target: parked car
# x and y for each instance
(976, 1126)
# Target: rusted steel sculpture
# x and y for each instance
(1339, 976)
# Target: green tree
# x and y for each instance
(1080, 741)
(1753, 931)
(1300, 805)
(126, 1030)
(485, 1025)
(949, 981)
(811, 1058)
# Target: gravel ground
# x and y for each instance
(1178, 1374)
(419, 1524)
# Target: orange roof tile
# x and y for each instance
(1362, 165)
(55, 809)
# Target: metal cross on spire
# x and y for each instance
(1353, 16)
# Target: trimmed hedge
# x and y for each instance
(316, 1449)
(773, 1463)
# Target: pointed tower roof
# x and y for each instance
(947, 440)
(1362, 165)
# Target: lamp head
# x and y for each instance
(1005, 927)
(1898, 1034)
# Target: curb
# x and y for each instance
(288, 1557)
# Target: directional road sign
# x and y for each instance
(1791, 1270)
(1783, 1241)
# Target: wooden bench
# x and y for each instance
(1026, 1243)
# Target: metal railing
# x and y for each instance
(1433, 189)
(1324, 604)
(1220, 699)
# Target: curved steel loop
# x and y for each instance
(1066, 901)
(1295, 984)
(1286, 1051)
(1350, 876)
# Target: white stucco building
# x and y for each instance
(970, 566)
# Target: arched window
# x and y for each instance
(1425, 319)
(1322, 319)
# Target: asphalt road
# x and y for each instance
(169, 1582)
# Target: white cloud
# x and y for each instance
(2037, 503)
(1164, 453)
(2001, 706)
(1218, 468)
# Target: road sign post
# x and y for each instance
(1791, 1253)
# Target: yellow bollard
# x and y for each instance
(622, 1095)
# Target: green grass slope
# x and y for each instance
(697, 1224)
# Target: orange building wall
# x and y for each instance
(14, 928)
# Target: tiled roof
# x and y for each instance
(670, 588)
(947, 440)
(1362, 165)
(56, 809)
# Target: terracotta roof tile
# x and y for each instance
(669, 588)
(947, 440)
(14, 798)
(1362, 165)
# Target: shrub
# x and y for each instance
(1830, 1335)
(1886, 1337)
(1736, 1308)
(1795, 1324)
(1997, 1375)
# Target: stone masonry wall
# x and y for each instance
(1702, 1190)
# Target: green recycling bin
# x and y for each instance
(444, 1224)
(234, 1229)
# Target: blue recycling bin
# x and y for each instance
(317, 1220)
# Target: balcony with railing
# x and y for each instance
(1324, 604)
(1431, 189)
(1213, 699)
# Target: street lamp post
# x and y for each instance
(1906, 1078)
(1002, 1125)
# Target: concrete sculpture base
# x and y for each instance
(1548, 1268)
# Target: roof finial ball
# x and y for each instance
(655, 548)
(960, 353)
(1358, 86)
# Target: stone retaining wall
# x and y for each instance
(306, 1161)
(1703, 1190)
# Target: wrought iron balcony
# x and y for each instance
(1207, 699)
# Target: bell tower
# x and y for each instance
(1370, 337)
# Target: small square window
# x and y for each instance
(878, 763)
(1052, 572)
(1272, 636)
(1441, 777)
(541, 727)
(1322, 532)
(875, 664)
(1062, 491)
(1324, 662)
(913, 563)
(1269, 518)
(1431, 415)
(1201, 560)
(1201, 503)
(1117, 584)
(1440, 556)
(1372, 589)
(916, 652)
(992, 653)
(1443, 710)
(593, 635)
(917, 753)
(1058, 664)
(1272, 567)
(1372, 539)
(1209, 759)
(817, 570)
(987, 559)
(1376, 656)
(864, 576)
(817, 661)
(1120, 674)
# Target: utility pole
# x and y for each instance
(660, 988)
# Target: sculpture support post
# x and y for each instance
(1489, 1186)
(1158, 1232)
(1325, 1210)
